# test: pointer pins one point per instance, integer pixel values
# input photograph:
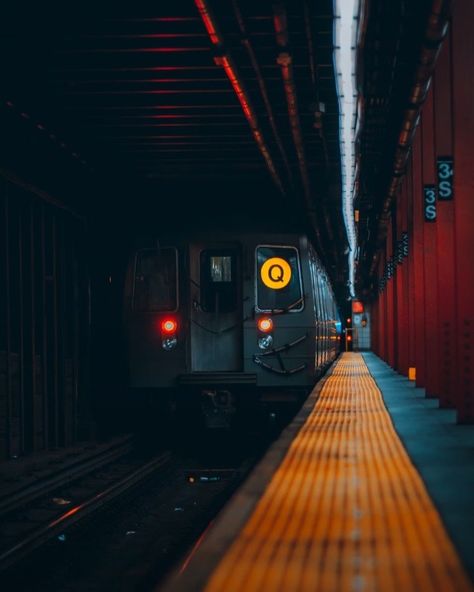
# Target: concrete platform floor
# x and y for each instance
(441, 450)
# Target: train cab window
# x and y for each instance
(221, 268)
(218, 281)
(156, 280)
(279, 284)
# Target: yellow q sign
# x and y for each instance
(276, 273)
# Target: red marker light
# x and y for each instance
(169, 326)
(348, 320)
(349, 338)
(265, 324)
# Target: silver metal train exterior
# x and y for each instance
(238, 319)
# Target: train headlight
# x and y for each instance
(169, 343)
(265, 324)
(265, 342)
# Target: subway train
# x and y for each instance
(227, 324)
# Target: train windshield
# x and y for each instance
(156, 280)
(279, 285)
(219, 281)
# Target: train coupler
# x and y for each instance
(218, 407)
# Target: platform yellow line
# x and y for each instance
(346, 510)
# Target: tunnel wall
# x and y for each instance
(44, 324)
(423, 315)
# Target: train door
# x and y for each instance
(216, 308)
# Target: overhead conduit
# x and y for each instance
(284, 60)
(224, 59)
(435, 33)
(314, 80)
(318, 113)
(261, 84)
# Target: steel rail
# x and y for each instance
(80, 468)
(79, 511)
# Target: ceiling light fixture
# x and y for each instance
(346, 36)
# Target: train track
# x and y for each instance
(86, 463)
(48, 508)
(126, 522)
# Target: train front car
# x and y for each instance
(228, 326)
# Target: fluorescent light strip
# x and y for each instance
(346, 13)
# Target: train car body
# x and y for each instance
(233, 320)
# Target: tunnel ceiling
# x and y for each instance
(395, 32)
(143, 98)
(145, 95)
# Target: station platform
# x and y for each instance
(369, 488)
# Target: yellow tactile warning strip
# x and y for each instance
(346, 509)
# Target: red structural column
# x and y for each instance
(401, 285)
(397, 279)
(416, 248)
(397, 283)
(383, 316)
(390, 301)
(378, 326)
(394, 282)
(445, 234)
(411, 315)
(463, 101)
(374, 327)
(375, 324)
(430, 256)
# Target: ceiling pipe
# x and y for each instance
(284, 60)
(318, 123)
(261, 85)
(225, 60)
(314, 81)
(438, 22)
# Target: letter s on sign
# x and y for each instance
(445, 189)
(430, 212)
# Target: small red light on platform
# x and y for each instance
(348, 320)
(265, 324)
(169, 326)
(349, 338)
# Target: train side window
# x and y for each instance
(156, 280)
(218, 281)
(278, 279)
